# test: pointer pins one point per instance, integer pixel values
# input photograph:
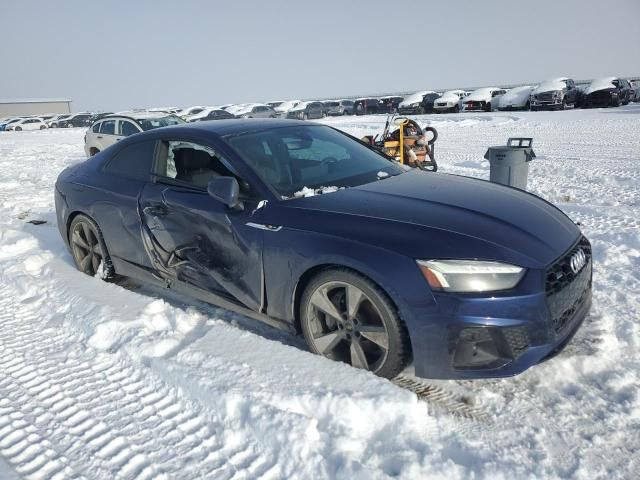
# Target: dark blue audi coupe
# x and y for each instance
(308, 229)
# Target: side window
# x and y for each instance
(108, 127)
(127, 128)
(133, 161)
(189, 163)
(96, 127)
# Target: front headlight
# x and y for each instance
(470, 275)
(417, 104)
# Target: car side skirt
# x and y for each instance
(128, 269)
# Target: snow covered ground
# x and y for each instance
(111, 381)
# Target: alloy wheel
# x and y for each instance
(345, 325)
(86, 248)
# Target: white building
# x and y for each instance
(35, 106)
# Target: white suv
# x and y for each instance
(26, 124)
(108, 130)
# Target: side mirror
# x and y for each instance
(225, 190)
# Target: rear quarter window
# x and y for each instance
(133, 161)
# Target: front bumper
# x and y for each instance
(463, 336)
(409, 110)
(546, 104)
(475, 106)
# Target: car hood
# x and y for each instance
(413, 98)
(432, 215)
(600, 84)
(516, 95)
(478, 95)
(550, 86)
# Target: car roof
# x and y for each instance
(229, 127)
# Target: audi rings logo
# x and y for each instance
(577, 261)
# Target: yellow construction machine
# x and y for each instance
(405, 141)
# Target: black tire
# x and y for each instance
(88, 248)
(487, 107)
(374, 337)
(18, 129)
(42, 127)
(456, 109)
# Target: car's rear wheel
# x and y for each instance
(18, 129)
(346, 317)
(42, 127)
(88, 248)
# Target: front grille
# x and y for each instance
(517, 339)
(566, 290)
(441, 104)
(546, 97)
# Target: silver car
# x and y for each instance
(108, 130)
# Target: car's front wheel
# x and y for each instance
(346, 317)
(88, 248)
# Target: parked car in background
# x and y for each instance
(518, 98)
(483, 99)
(109, 130)
(608, 92)
(338, 107)
(413, 103)
(46, 117)
(82, 119)
(211, 114)
(461, 277)
(185, 112)
(555, 94)
(53, 122)
(275, 103)
(5, 122)
(449, 101)
(429, 101)
(306, 111)
(282, 109)
(365, 106)
(255, 110)
(390, 104)
(32, 123)
(97, 116)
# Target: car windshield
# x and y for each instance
(306, 158)
(151, 123)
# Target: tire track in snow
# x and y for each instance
(58, 418)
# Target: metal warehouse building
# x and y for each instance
(36, 106)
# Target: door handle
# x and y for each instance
(156, 210)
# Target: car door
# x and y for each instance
(107, 135)
(190, 236)
(122, 179)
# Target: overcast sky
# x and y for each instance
(116, 54)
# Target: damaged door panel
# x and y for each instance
(193, 238)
